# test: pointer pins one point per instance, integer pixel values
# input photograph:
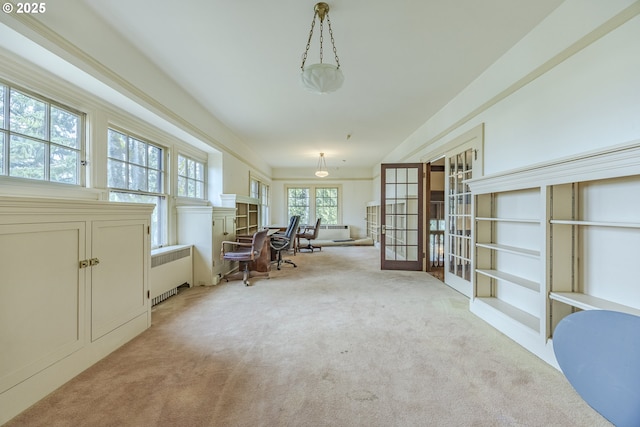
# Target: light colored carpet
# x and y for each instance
(334, 342)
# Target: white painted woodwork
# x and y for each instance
(205, 227)
(168, 276)
(57, 318)
(554, 238)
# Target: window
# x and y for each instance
(135, 173)
(190, 178)
(298, 203)
(327, 204)
(259, 190)
(324, 204)
(39, 139)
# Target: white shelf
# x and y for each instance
(523, 220)
(522, 317)
(588, 302)
(519, 281)
(510, 249)
(596, 223)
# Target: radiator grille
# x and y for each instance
(165, 258)
(164, 296)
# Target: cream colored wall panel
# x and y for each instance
(609, 265)
(117, 282)
(41, 314)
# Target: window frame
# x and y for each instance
(80, 151)
(160, 216)
(313, 209)
(263, 195)
(203, 181)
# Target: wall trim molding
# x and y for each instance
(617, 161)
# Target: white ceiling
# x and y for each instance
(402, 62)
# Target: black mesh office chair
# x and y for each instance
(310, 233)
(244, 252)
(286, 241)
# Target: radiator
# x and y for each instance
(334, 232)
(171, 267)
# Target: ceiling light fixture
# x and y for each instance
(321, 171)
(321, 78)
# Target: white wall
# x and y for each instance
(570, 86)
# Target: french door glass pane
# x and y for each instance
(459, 210)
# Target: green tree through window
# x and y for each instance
(39, 139)
(324, 204)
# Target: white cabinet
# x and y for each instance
(555, 238)
(117, 294)
(205, 227)
(73, 288)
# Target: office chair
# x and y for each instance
(244, 252)
(310, 233)
(284, 242)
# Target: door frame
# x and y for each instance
(473, 138)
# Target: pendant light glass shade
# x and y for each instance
(321, 171)
(322, 78)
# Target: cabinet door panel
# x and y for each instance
(118, 281)
(42, 299)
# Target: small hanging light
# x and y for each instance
(321, 78)
(321, 171)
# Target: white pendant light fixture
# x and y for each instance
(321, 170)
(321, 78)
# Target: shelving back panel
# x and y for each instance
(519, 297)
(518, 204)
(609, 266)
(522, 266)
(610, 200)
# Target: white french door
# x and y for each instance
(458, 231)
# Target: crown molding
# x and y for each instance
(618, 161)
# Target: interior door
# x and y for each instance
(401, 210)
(458, 237)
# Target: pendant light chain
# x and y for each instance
(304, 56)
(333, 43)
(321, 38)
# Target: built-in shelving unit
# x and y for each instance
(507, 257)
(556, 238)
(247, 213)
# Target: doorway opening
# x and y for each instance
(436, 219)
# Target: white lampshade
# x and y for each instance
(321, 78)
(322, 174)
